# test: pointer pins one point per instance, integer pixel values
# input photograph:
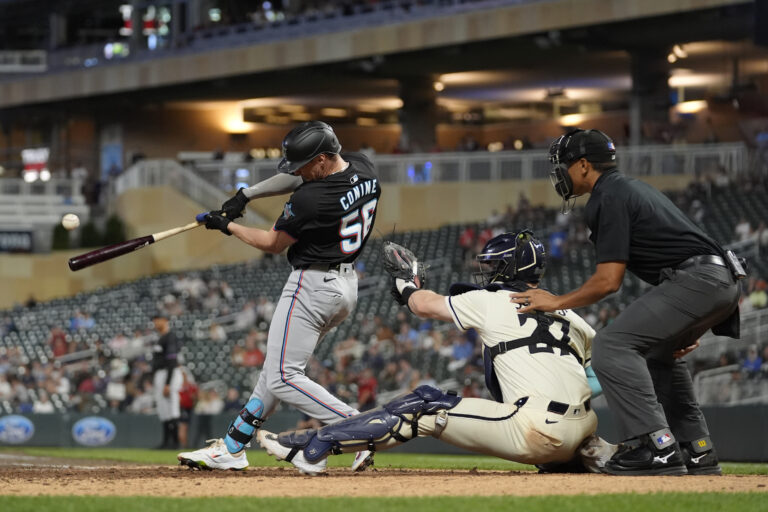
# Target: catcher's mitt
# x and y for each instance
(401, 263)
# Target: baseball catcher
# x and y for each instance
(537, 370)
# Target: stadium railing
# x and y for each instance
(652, 160)
(155, 173)
(754, 331)
(729, 386)
(35, 208)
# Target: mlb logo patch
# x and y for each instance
(663, 439)
(611, 146)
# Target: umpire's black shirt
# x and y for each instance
(633, 222)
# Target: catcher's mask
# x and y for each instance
(516, 256)
(593, 145)
(305, 142)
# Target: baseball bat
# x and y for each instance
(115, 250)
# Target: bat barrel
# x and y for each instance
(109, 252)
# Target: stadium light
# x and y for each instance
(691, 107)
(232, 122)
(571, 119)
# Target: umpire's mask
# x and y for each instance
(593, 145)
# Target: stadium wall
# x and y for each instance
(163, 132)
(737, 431)
(476, 25)
(144, 211)
(150, 210)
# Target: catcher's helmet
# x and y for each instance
(516, 256)
(593, 145)
(305, 142)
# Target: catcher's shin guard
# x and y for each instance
(397, 421)
(240, 431)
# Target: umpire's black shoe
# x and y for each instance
(639, 456)
(704, 463)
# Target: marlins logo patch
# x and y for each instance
(288, 211)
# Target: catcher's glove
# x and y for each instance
(408, 274)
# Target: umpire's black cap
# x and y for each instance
(305, 142)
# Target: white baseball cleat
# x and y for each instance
(269, 442)
(363, 460)
(213, 456)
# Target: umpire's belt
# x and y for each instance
(560, 408)
(707, 259)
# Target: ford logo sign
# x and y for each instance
(94, 431)
(16, 429)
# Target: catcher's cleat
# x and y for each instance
(295, 456)
(704, 463)
(363, 460)
(213, 456)
(639, 456)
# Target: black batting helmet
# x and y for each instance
(305, 142)
(516, 256)
(593, 145)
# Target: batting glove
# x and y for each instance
(234, 206)
(216, 221)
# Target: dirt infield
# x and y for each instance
(32, 476)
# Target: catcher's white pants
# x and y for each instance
(528, 434)
(168, 407)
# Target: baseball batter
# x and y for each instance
(325, 225)
(536, 369)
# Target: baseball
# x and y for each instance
(70, 221)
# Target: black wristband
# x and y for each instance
(406, 294)
(241, 195)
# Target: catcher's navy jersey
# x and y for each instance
(331, 218)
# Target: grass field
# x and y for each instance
(668, 502)
(629, 502)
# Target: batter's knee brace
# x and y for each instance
(240, 431)
(397, 421)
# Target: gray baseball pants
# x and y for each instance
(646, 388)
(311, 304)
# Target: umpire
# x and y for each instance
(636, 358)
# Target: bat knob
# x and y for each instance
(200, 217)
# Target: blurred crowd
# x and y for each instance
(85, 372)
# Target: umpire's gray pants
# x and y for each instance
(646, 388)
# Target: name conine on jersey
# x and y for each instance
(362, 189)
